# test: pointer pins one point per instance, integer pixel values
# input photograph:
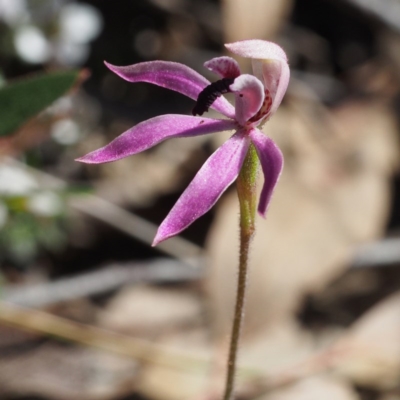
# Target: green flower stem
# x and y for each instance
(246, 187)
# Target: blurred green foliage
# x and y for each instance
(22, 100)
(25, 234)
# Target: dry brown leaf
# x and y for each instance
(160, 383)
(259, 19)
(390, 396)
(149, 310)
(315, 388)
(370, 353)
(64, 373)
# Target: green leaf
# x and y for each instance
(22, 100)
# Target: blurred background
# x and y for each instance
(89, 310)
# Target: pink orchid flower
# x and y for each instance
(256, 99)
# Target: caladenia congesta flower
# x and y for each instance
(257, 97)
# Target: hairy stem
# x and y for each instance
(246, 187)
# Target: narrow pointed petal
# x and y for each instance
(153, 131)
(271, 159)
(215, 176)
(225, 67)
(249, 97)
(173, 76)
(270, 65)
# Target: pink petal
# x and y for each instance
(214, 177)
(225, 67)
(249, 97)
(275, 75)
(257, 49)
(270, 65)
(173, 76)
(271, 159)
(153, 131)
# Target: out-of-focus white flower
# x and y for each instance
(65, 131)
(71, 53)
(13, 11)
(63, 105)
(46, 204)
(3, 214)
(80, 23)
(31, 45)
(15, 181)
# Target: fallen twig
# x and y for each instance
(138, 349)
(100, 281)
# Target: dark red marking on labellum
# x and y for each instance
(210, 93)
(265, 108)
